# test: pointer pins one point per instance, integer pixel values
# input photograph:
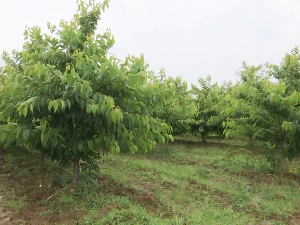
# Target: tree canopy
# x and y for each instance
(64, 96)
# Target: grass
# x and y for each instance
(220, 183)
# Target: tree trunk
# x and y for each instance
(75, 171)
(283, 162)
(251, 139)
(203, 137)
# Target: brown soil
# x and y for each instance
(5, 215)
(295, 220)
(144, 198)
(193, 143)
(35, 188)
(275, 178)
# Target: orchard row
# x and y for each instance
(65, 97)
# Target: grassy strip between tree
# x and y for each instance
(214, 183)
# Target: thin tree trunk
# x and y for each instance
(203, 137)
(251, 139)
(282, 157)
(283, 162)
(75, 171)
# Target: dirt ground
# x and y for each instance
(35, 186)
(5, 215)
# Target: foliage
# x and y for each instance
(65, 97)
(267, 109)
(179, 108)
(210, 100)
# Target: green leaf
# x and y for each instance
(95, 108)
(80, 146)
(117, 150)
(68, 103)
(94, 182)
(63, 105)
(25, 110)
(171, 137)
(85, 84)
(55, 105)
(82, 103)
(31, 107)
(88, 107)
(91, 145)
(26, 134)
(133, 148)
(116, 115)
(53, 142)
(109, 102)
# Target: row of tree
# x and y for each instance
(264, 106)
(65, 97)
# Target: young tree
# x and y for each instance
(210, 100)
(270, 109)
(71, 101)
(179, 108)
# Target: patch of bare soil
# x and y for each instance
(35, 188)
(295, 220)
(168, 185)
(145, 199)
(264, 178)
(274, 178)
(218, 196)
(5, 215)
(193, 143)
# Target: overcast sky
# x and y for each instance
(191, 38)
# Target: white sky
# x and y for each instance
(191, 38)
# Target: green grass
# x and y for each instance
(181, 184)
(16, 203)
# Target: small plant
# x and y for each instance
(241, 200)
(88, 183)
(273, 157)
